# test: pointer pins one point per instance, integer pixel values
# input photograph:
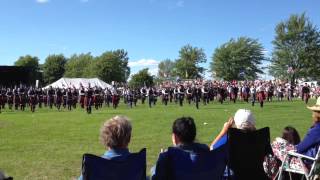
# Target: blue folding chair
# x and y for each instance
(131, 168)
(197, 166)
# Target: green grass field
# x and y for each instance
(49, 144)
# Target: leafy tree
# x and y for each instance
(238, 59)
(31, 62)
(53, 68)
(187, 66)
(79, 66)
(141, 79)
(296, 51)
(112, 66)
(166, 69)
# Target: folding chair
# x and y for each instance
(197, 166)
(304, 170)
(98, 168)
(247, 150)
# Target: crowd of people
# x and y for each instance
(190, 92)
(115, 135)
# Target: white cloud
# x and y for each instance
(143, 62)
(84, 1)
(42, 1)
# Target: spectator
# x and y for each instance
(183, 137)
(243, 119)
(115, 135)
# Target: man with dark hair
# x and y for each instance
(183, 137)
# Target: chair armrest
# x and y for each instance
(300, 155)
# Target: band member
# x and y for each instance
(115, 98)
(305, 93)
(261, 94)
(165, 95)
(64, 97)
(143, 92)
(151, 96)
(69, 99)
(270, 90)
(96, 98)
(32, 99)
(205, 93)
(190, 94)
(88, 99)
(59, 98)
(50, 96)
(3, 97)
(129, 97)
(9, 95)
(74, 97)
(82, 96)
(280, 91)
(108, 97)
(22, 97)
(181, 92)
(197, 95)
(39, 97)
(176, 94)
(253, 92)
(16, 98)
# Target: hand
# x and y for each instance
(227, 124)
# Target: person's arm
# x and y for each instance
(307, 142)
(223, 132)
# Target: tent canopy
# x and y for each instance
(77, 82)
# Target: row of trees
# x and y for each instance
(296, 54)
(110, 66)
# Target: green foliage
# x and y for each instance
(112, 66)
(79, 66)
(296, 45)
(243, 55)
(28, 61)
(53, 68)
(187, 65)
(166, 69)
(32, 62)
(141, 79)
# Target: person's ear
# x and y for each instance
(175, 139)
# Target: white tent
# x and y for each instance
(77, 82)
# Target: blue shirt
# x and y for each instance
(117, 154)
(310, 144)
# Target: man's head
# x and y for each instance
(183, 131)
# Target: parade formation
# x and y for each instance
(190, 92)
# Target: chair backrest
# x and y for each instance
(197, 166)
(247, 150)
(315, 169)
(97, 168)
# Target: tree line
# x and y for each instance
(295, 54)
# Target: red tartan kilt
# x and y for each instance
(95, 99)
(45, 99)
(32, 100)
(81, 99)
(115, 99)
(261, 96)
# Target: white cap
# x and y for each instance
(244, 119)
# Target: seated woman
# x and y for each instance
(183, 137)
(243, 119)
(308, 146)
(115, 135)
(280, 147)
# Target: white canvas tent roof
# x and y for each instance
(77, 82)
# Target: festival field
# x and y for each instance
(49, 144)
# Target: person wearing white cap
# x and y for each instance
(243, 119)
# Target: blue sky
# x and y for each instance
(150, 30)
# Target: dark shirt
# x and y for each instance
(161, 171)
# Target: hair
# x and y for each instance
(116, 132)
(185, 129)
(316, 116)
(291, 135)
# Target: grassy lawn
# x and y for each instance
(49, 144)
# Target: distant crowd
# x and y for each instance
(194, 92)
